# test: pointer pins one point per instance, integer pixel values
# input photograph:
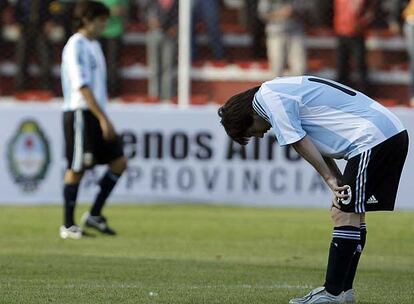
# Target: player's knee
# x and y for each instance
(124, 163)
(335, 215)
(119, 165)
(362, 218)
(341, 218)
(72, 177)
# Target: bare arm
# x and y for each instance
(106, 125)
(308, 151)
(92, 104)
(334, 168)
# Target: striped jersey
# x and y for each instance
(83, 64)
(340, 121)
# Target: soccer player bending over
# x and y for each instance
(90, 137)
(324, 120)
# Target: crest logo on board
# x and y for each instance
(28, 155)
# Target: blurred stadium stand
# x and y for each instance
(214, 80)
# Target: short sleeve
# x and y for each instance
(283, 114)
(79, 67)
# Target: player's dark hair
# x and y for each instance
(88, 10)
(237, 115)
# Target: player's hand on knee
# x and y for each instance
(335, 203)
(339, 192)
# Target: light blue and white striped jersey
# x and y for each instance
(83, 63)
(340, 121)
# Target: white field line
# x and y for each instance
(160, 288)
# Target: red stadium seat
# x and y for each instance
(195, 99)
(380, 32)
(199, 99)
(233, 28)
(315, 64)
(138, 98)
(388, 102)
(34, 95)
(137, 27)
(253, 64)
(320, 31)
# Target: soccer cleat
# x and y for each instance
(348, 297)
(73, 232)
(98, 222)
(318, 296)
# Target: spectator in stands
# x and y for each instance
(405, 9)
(112, 41)
(351, 20)
(207, 12)
(255, 27)
(35, 23)
(285, 37)
(162, 47)
(3, 5)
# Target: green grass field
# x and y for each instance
(195, 254)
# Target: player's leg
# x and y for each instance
(381, 185)
(168, 65)
(276, 52)
(94, 218)
(349, 294)
(346, 237)
(107, 183)
(73, 125)
(44, 53)
(374, 177)
(70, 194)
(111, 153)
(153, 42)
(347, 231)
(22, 58)
(297, 55)
(342, 60)
(113, 52)
(70, 230)
(359, 50)
(345, 240)
(210, 13)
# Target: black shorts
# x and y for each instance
(374, 176)
(84, 142)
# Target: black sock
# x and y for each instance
(345, 240)
(349, 279)
(107, 183)
(70, 193)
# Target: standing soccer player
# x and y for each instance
(90, 137)
(324, 120)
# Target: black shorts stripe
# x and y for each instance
(361, 181)
(358, 181)
(362, 205)
(78, 126)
